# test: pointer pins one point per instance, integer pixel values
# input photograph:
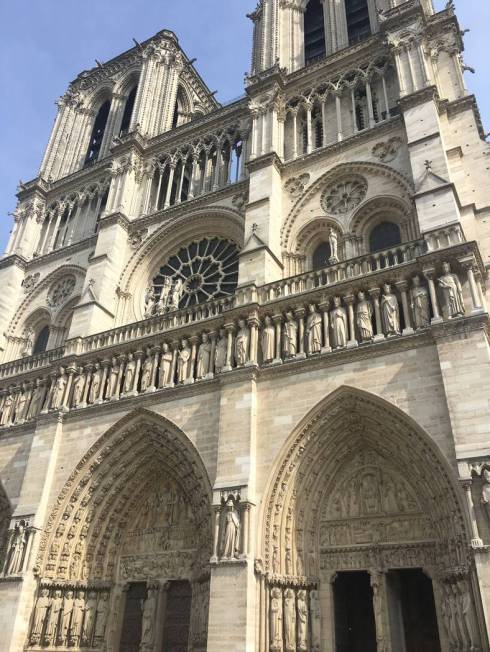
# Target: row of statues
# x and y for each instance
(294, 620)
(458, 616)
(70, 618)
(171, 294)
(335, 324)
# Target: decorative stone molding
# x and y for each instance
(297, 185)
(344, 195)
(386, 151)
(30, 282)
(61, 291)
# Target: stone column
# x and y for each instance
(430, 274)
(105, 370)
(253, 324)
(299, 313)
(349, 301)
(403, 288)
(468, 263)
(277, 320)
(374, 293)
(71, 371)
(230, 329)
(380, 608)
(476, 541)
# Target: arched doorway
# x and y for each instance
(364, 541)
(124, 560)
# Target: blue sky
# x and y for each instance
(44, 44)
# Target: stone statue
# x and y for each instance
(241, 343)
(419, 296)
(184, 362)
(54, 618)
(112, 383)
(290, 336)
(78, 611)
(302, 607)
(149, 302)
(315, 621)
(313, 330)
(96, 383)
(275, 612)
(289, 621)
(148, 624)
(41, 615)
(204, 357)
(452, 293)
(485, 490)
(333, 240)
(147, 371)
(176, 294)
(66, 618)
(22, 405)
(101, 619)
(78, 387)
(338, 321)
(7, 410)
(466, 616)
(231, 539)
(220, 351)
(129, 374)
(267, 340)
(376, 585)
(165, 370)
(89, 619)
(390, 312)
(28, 343)
(364, 312)
(58, 390)
(17, 549)
(37, 399)
(163, 301)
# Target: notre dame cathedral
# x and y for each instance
(245, 361)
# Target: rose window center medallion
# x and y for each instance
(199, 272)
(60, 291)
(344, 196)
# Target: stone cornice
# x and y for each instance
(14, 260)
(402, 15)
(87, 243)
(466, 103)
(265, 161)
(419, 97)
(115, 218)
(37, 187)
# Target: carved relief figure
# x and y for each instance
(58, 390)
(41, 616)
(66, 618)
(364, 312)
(290, 620)
(37, 400)
(77, 618)
(17, 548)
(231, 539)
(176, 294)
(338, 320)
(302, 607)
(290, 336)
(420, 304)
(149, 302)
(78, 386)
(29, 343)
(333, 240)
(390, 312)
(267, 340)
(89, 619)
(313, 330)
(241, 343)
(54, 618)
(129, 374)
(147, 371)
(315, 621)
(377, 586)
(184, 362)
(7, 410)
(165, 372)
(148, 624)
(101, 620)
(220, 351)
(485, 491)
(163, 302)
(275, 611)
(96, 383)
(204, 357)
(452, 293)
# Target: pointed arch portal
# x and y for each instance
(364, 532)
(129, 539)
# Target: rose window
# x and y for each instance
(201, 271)
(344, 196)
(61, 291)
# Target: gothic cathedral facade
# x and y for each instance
(245, 363)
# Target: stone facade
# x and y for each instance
(244, 391)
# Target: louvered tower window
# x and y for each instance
(314, 31)
(358, 23)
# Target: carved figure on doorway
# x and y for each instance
(54, 618)
(64, 636)
(220, 351)
(390, 312)
(369, 494)
(77, 618)
(452, 293)
(267, 340)
(147, 371)
(96, 383)
(338, 320)
(275, 612)
(129, 374)
(302, 608)
(37, 399)
(315, 621)
(231, 539)
(377, 587)
(148, 623)
(165, 372)
(17, 549)
(467, 619)
(313, 330)
(241, 343)
(290, 620)
(89, 619)
(290, 336)
(58, 390)
(78, 386)
(419, 296)
(333, 240)
(364, 313)
(184, 362)
(101, 619)
(204, 357)
(41, 616)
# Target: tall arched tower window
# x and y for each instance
(314, 31)
(98, 131)
(128, 112)
(41, 343)
(358, 22)
(384, 236)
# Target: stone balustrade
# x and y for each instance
(203, 342)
